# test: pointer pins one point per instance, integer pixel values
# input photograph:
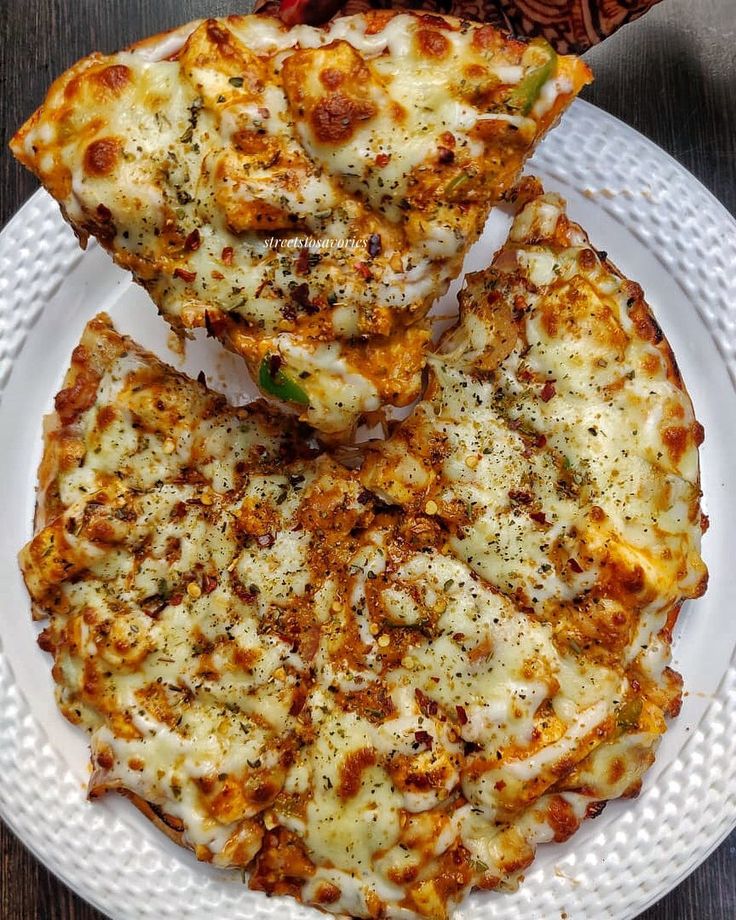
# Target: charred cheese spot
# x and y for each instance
(114, 78)
(562, 819)
(71, 401)
(486, 38)
(433, 44)
(676, 438)
(351, 771)
(336, 117)
(223, 39)
(331, 78)
(102, 156)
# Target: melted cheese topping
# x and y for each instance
(568, 467)
(123, 417)
(559, 447)
(209, 162)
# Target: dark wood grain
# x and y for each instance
(672, 76)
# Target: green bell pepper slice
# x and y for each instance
(629, 713)
(527, 92)
(457, 182)
(280, 385)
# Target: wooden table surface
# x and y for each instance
(671, 76)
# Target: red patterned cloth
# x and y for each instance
(569, 25)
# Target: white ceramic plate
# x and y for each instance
(662, 228)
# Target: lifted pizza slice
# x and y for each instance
(305, 194)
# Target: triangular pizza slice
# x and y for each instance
(305, 194)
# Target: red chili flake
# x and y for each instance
(363, 270)
(594, 809)
(300, 295)
(519, 497)
(448, 138)
(499, 785)
(218, 276)
(209, 583)
(445, 155)
(704, 522)
(302, 262)
(540, 440)
(104, 213)
(427, 706)
(193, 241)
(184, 275)
(538, 516)
(423, 737)
(264, 112)
(575, 565)
(176, 599)
(266, 539)
(548, 391)
(227, 255)
(462, 716)
(297, 702)
(383, 159)
(247, 595)
(155, 612)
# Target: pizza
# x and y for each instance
(304, 194)
(378, 689)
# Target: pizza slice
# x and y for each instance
(558, 445)
(125, 420)
(306, 194)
